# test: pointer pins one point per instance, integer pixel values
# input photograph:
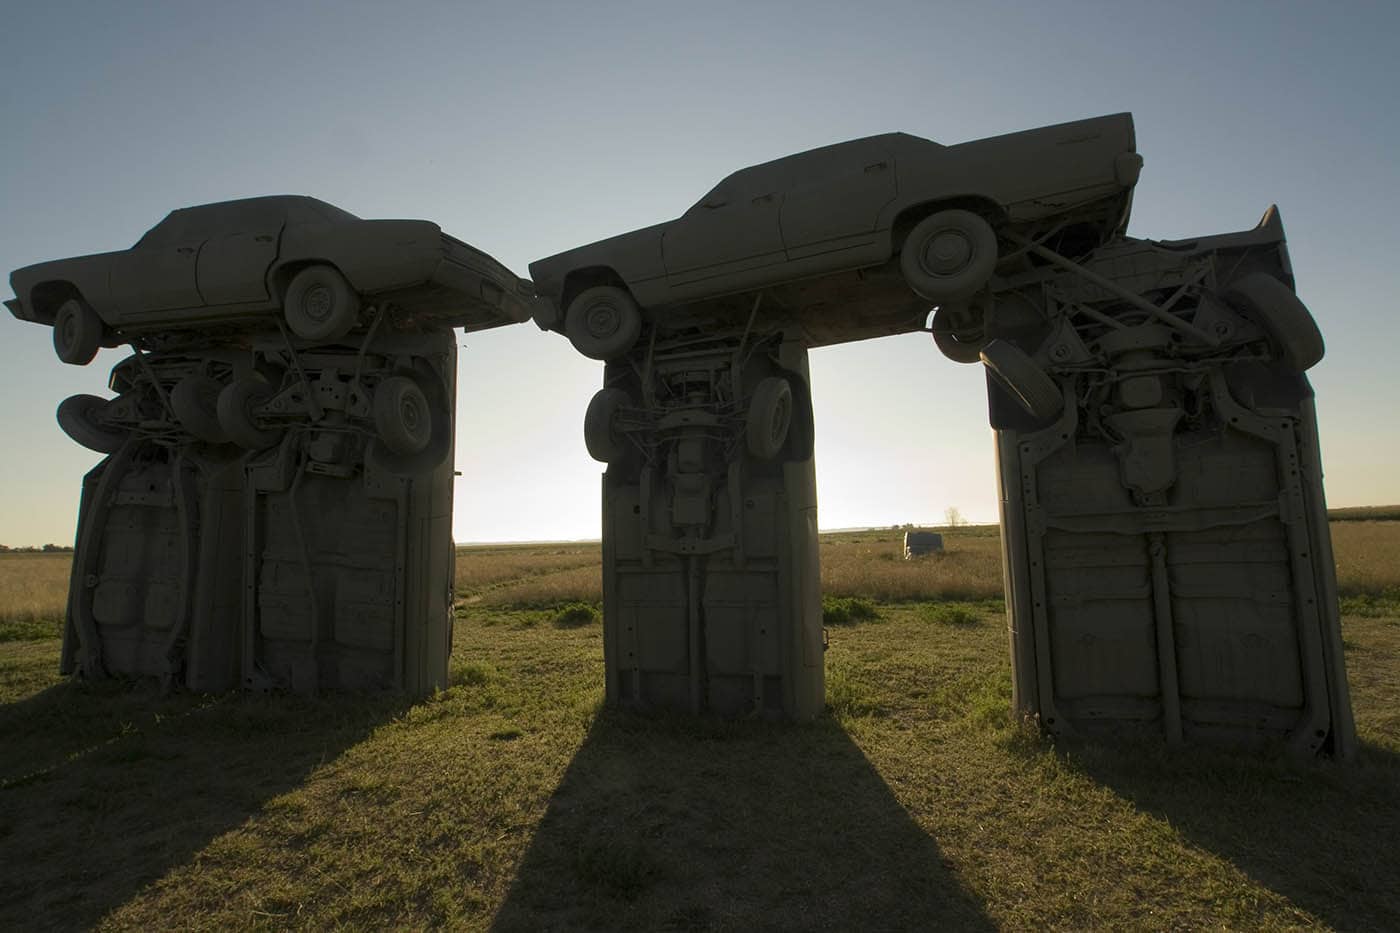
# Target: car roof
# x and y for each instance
(269, 201)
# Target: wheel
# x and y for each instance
(603, 322)
(770, 417)
(77, 332)
(949, 255)
(1283, 316)
(599, 435)
(77, 416)
(1026, 381)
(235, 407)
(195, 400)
(401, 415)
(320, 304)
(958, 334)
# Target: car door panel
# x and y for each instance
(156, 278)
(710, 243)
(233, 268)
(835, 203)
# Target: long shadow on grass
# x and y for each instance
(1321, 834)
(675, 823)
(105, 787)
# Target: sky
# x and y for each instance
(528, 128)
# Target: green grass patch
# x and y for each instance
(848, 610)
(956, 614)
(576, 615)
(1385, 604)
(30, 629)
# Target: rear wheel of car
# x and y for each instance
(949, 255)
(600, 423)
(770, 417)
(195, 400)
(320, 305)
(236, 405)
(958, 333)
(1030, 385)
(603, 322)
(401, 415)
(77, 332)
(78, 416)
(1283, 316)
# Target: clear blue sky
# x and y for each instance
(526, 128)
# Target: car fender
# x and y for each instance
(373, 255)
(40, 289)
(634, 259)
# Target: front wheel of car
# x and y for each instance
(195, 400)
(1030, 385)
(320, 305)
(401, 415)
(949, 255)
(77, 332)
(603, 322)
(79, 417)
(237, 406)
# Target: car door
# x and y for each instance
(833, 204)
(158, 273)
(234, 262)
(721, 242)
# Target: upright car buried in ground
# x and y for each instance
(231, 266)
(812, 229)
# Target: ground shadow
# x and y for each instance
(1321, 833)
(674, 823)
(105, 787)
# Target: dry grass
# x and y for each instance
(872, 565)
(33, 588)
(1368, 557)
(480, 567)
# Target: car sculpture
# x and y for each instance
(234, 265)
(812, 229)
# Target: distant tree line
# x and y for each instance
(46, 549)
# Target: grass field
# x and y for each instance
(514, 800)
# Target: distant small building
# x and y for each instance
(919, 543)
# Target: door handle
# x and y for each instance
(763, 199)
(876, 168)
(263, 239)
(184, 250)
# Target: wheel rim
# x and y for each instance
(778, 424)
(946, 253)
(603, 320)
(318, 303)
(411, 414)
(68, 331)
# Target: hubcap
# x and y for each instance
(946, 252)
(317, 303)
(603, 320)
(777, 428)
(408, 411)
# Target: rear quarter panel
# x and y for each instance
(374, 255)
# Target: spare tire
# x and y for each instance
(770, 417)
(1272, 305)
(235, 406)
(195, 400)
(401, 415)
(77, 416)
(1030, 385)
(599, 425)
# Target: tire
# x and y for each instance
(77, 417)
(949, 255)
(401, 415)
(77, 332)
(1289, 324)
(961, 344)
(599, 434)
(1030, 385)
(603, 322)
(320, 305)
(195, 400)
(235, 407)
(770, 417)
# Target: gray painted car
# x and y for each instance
(235, 264)
(817, 216)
